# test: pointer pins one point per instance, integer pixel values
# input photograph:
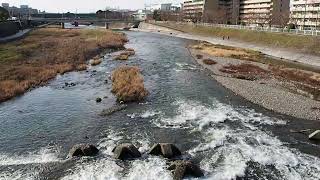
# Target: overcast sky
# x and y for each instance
(83, 5)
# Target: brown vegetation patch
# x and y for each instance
(45, 52)
(245, 71)
(81, 67)
(220, 50)
(122, 57)
(127, 84)
(95, 62)
(209, 62)
(303, 80)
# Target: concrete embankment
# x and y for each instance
(282, 53)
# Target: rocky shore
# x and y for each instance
(268, 92)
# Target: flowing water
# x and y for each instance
(229, 137)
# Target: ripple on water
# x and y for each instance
(234, 143)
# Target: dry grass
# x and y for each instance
(127, 84)
(122, 57)
(209, 62)
(306, 81)
(306, 44)
(81, 67)
(44, 53)
(245, 71)
(220, 51)
(249, 55)
(95, 62)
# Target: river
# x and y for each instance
(228, 136)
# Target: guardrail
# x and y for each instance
(264, 29)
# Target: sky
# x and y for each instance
(83, 6)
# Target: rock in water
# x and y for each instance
(182, 168)
(166, 150)
(315, 135)
(98, 100)
(126, 151)
(83, 150)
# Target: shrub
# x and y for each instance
(127, 84)
(209, 62)
(122, 57)
(95, 62)
(82, 67)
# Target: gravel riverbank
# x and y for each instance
(282, 53)
(268, 93)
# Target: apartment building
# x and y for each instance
(256, 12)
(305, 14)
(264, 12)
(193, 10)
(214, 11)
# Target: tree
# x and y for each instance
(4, 14)
(156, 15)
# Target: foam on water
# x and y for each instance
(108, 143)
(98, 170)
(191, 113)
(233, 138)
(153, 168)
(44, 155)
(146, 114)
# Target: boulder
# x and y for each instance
(83, 150)
(126, 152)
(98, 100)
(183, 168)
(166, 150)
(315, 135)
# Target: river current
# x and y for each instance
(228, 136)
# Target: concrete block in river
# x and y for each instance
(166, 150)
(126, 151)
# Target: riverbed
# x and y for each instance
(228, 136)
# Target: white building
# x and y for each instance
(164, 7)
(140, 15)
(305, 14)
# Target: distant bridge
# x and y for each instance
(81, 20)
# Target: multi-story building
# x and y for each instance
(215, 11)
(305, 14)
(164, 7)
(193, 10)
(5, 5)
(258, 12)
(264, 12)
(23, 11)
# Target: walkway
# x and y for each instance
(275, 52)
(15, 36)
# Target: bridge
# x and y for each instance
(93, 20)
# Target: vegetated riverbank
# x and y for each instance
(287, 89)
(305, 44)
(44, 53)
